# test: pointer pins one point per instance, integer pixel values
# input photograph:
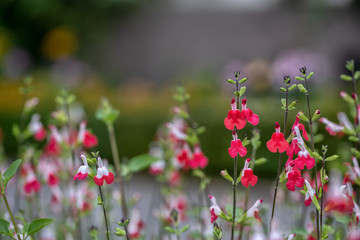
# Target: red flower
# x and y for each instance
(304, 159)
(184, 157)
(248, 177)
(32, 184)
(234, 118)
(294, 178)
(301, 127)
(90, 140)
(199, 159)
(236, 147)
(277, 141)
(292, 149)
(53, 147)
(248, 114)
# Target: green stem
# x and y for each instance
(280, 158)
(312, 149)
(115, 153)
(234, 198)
(126, 230)
(11, 216)
(105, 216)
(322, 195)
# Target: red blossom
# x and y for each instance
(248, 114)
(90, 140)
(301, 127)
(304, 159)
(277, 141)
(294, 179)
(234, 118)
(248, 177)
(236, 147)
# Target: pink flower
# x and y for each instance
(248, 175)
(236, 147)
(277, 141)
(248, 114)
(83, 170)
(32, 184)
(234, 118)
(331, 127)
(157, 168)
(102, 173)
(301, 127)
(185, 157)
(215, 210)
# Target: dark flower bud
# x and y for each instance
(303, 70)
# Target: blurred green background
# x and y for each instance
(135, 52)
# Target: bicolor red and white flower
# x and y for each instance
(215, 210)
(49, 171)
(136, 224)
(277, 141)
(157, 168)
(83, 171)
(301, 127)
(253, 211)
(31, 184)
(36, 128)
(85, 137)
(102, 173)
(303, 159)
(339, 197)
(309, 194)
(177, 129)
(236, 147)
(331, 127)
(247, 176)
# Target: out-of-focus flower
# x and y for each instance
(37, 128)
(84, 170)
(331, 127)
(88, 139)
(254, 210)
(136, 224)
(215, 210)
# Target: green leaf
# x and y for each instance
(243, 80)
(353, 139)
(302, 89)
(317, 156)
(106, 112)
(357, 75)
(16, 130)
(119, 232)
(4, 226)
(350, 65)
(341, 218)
(283, 101)
(245, 142)
(224, 173)
(292, 87)
(309, 75)
(346, 77)
(299, 78)
(292, 104)
(169, 229)
(184, 228)
(38, 224)
(242, 90)
(141, 162)
(331, 158)
(10, 172)
(260, 161)
(231, 81)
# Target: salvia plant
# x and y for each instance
(61, 181)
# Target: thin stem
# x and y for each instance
(280, 158)
(312, 149)
(105, 216)
(322, 195)
(253, 154)
(234, 198)
(11, 216)
(115, 153)
(126, 230)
